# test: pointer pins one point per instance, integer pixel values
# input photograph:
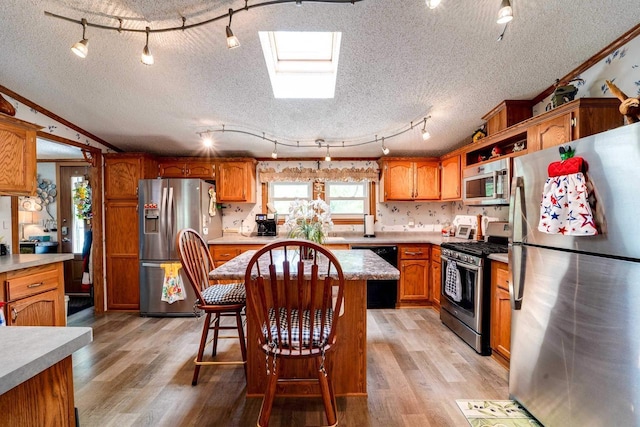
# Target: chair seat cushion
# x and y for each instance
(320, 335)
(233, 293)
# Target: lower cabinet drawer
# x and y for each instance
(414, 252)
(31, 284)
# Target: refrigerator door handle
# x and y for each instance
(152, 264)
(517, 187)
(163, 210)
(170, 215)
(515, 276)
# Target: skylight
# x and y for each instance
(301, 64)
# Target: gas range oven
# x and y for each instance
(465, 285)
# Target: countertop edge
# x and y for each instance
(18, 367)
(499, 257)
(381, 239)
(20, 261)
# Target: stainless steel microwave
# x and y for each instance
(487, 184)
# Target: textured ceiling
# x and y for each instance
(399, 61)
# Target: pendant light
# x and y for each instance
(147, 57)
(274, 154)
(80, 48)
(232, 41)
(327, 157)
(505, 14)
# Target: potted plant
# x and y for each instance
(310, 220)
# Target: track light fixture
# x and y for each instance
(147, 57)
(425, 133)
(319, 142)
(327, 157)
(432, 4)
(505, 14)
(232, 41)
(81, 48)
(207, 138)
(385, 150)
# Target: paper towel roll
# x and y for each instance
(369, 228)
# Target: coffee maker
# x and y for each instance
(267, 224)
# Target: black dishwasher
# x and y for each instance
(382, 293)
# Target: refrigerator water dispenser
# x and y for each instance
(151, 218)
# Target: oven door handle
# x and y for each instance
(460, 263)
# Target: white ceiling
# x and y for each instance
(399, 61)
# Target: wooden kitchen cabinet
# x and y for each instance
(500, 313)
(436, 276)
(236, 180)
(507, 113)
(34, 296)
(122, 172)
(186, 168)
(121, 250)
(410, 179)
(224, 253)
(17, 157)
(413, 286)
(450, 172)
(573, 120)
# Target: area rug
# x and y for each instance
(77, 304)
(496, 413)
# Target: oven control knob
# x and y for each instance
(465, 258)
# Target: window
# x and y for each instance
(301, 64)
(347, 199)
(281, 194)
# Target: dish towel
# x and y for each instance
(172, 288)
(453, 285)
(564, 208)
(212, 201)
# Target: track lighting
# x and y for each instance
(425, 133)
(207, 138)
(327, 157)
(385, 150)
(274, 154)
(505, 14)
(147, 57)
(232, 41)
(80, 48)
(432, 4)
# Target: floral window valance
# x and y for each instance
(318, 175)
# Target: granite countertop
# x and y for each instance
(382, 238)
(28, 350)
(20, 261)
(357, 264)
(500, 257)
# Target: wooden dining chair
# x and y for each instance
(216, 300)
(295, 314)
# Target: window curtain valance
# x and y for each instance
(318, 175)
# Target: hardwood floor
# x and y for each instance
(137, 372)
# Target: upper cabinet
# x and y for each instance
(506, 114)
(450, 169)
(410, 179)
(236, 180)
(574, 120)
(17, 157)
(122, 172)
(186, 168)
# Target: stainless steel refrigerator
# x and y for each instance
(165, 207)
(575, 349)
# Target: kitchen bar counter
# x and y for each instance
(350, 238)
(348, 362)
(20, 261)
(36, 377)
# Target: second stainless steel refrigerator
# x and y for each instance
(165, 207)
(575, 349)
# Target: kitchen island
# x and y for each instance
(36, 379)
(348, 362)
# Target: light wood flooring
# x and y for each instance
(137, 372)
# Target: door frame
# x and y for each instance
(92, 156)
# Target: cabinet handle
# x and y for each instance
(35, 285)
(412, 253)
(225, 254)
(14, 314)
